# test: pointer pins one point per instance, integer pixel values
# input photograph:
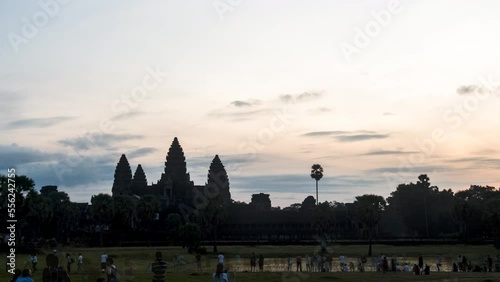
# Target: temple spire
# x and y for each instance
(175, 165)
(219, 181)
(123, 177)
(139, 182)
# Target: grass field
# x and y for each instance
(134, 263)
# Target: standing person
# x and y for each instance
(308, 263)
(497, 264)
(253, 262)
(219, 275)
(25, 276)
(385, 265)
(438, 264)
(394, 266)
(289, 263)
(104, 258)
(342, 261)
(34, 261)
(420, 262)
(69, 259)
(464, 263)
(329, 261)
(490, 263)
(80, 263)
(198, 262)
(261, 263)
(299, 263)
(220, 258)
(111, 270)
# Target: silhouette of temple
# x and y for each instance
(174, 186)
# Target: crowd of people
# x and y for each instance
(54, 272)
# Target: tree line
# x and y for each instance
(414, 210)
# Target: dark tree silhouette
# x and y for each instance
(147, 207)
(102, 212)
(308, 205)
(317, 174)
(369, 209)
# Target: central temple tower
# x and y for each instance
(175, 176)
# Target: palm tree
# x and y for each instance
(317, 174)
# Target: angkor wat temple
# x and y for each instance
(254, 221)
(174, 186)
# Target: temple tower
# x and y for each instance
(123, 178)
(218, 182)
(176, 173)
(139, 182)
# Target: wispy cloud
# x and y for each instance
(84, 143)
(302, 97)
(471, 89)
(38, 122)
(14, 155)
(244, 104)
(361, 137)
(337, 132)
(240, 115)
(477, 162)
(387, 152)
(320, 110)
(125, 116)
(417, 170)
(141, 152)
(348, 136)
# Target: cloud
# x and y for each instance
(125, 116)
(336, 132)
(348, 136)
(38, 122)
(387, 152)
(302, 97)
(467, 89)
(90, 140)
(62, 169)
(239, 115)
(471, 89)
(14, 155)
(404, 170)
(279, 184)
(320, 110)
(141, 152)
(388, 114)
(243, 104)
(477, 162)
(71, 171)
(289, 184)
(361, 137)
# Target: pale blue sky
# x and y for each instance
(223, 85)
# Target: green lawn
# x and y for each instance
(133, 263)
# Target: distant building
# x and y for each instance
(261, 202)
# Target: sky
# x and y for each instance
(376, 92)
